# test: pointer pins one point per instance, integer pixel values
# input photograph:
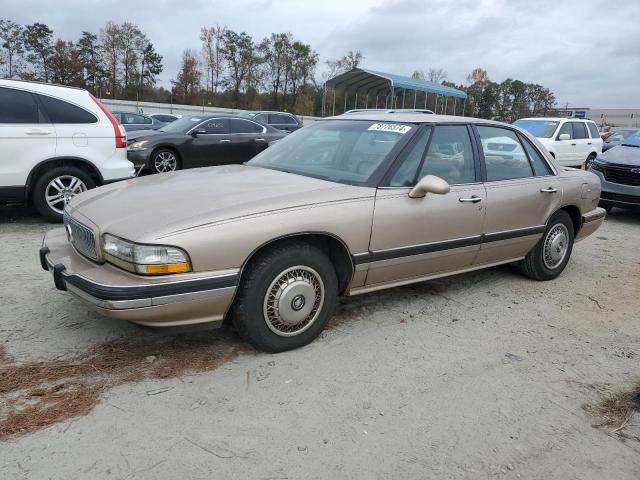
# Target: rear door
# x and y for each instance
(582, 141)
(522, 192)
(566, 149)
(26, 136)
(247, 139)
(414, 238)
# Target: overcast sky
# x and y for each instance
(587, 52)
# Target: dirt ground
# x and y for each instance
(482, 375)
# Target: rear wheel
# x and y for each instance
(286, 296)
(164, 160)
(55, 188)
(551, 254)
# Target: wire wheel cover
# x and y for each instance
(293, 301)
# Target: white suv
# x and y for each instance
(572, 142)
(56, 142)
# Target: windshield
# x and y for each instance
(632, 141)
(343, 151)
(538, 128)
(620, 135)
(182, 125)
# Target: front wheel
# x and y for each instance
(164, 160)
(551, 254)
(286, 297)
(56, 188)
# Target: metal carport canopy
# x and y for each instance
(360, 80)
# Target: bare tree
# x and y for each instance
(436, 75)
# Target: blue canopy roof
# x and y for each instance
(360, 80)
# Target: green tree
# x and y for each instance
(12, 42)
(92, 61)
(240, 57)
(150, 68)
(38, 42)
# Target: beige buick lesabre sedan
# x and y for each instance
(347, 205)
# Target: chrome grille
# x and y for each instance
(80, 236)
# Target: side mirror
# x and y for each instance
(564, 136)
(430, 184)
(195, 133)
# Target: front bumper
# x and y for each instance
(170, 300)
(617, 194)
(139, 158)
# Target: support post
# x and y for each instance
(333, 112)
(324, 98)
(464, 104)
(415, 98)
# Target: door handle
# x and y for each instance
(225, 141)
(472, 199)
(260, 140)
(38, 132)
(588, 143)
(573, 144)
(549, 190)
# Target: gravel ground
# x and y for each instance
(482, 375)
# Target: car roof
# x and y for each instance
(557, 119)
(410, 117)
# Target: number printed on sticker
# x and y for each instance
(390, 127)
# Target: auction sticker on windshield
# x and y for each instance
(390, 127)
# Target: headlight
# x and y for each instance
(595, 165)
(141, 145)
(146, 259)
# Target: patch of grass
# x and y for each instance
(39, 394)
(616, 409)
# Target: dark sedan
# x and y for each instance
(619, 172)
(199, 142)
(618, 137)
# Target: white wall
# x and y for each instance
(149, 107)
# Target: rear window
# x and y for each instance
(579, 130)
(244, 126)
(60, 111)
(593, 130)
(18, 107)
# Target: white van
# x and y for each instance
(56, 142)
(572, 142)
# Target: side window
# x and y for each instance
(263, 117)
(18, 107)
(566, 128)
(216, 126)
(504, 156)
(593, 130)
(540, 167)
(450, 155)
(117, 116)
(243, 126)
(579, 130)
(289, 120)
(277, 118)
(60, 111)
(147, 120)
(406, 174)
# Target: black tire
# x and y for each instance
(53, 213)
(534, 265)
(589, 159)
(249, 308)
(155, 161)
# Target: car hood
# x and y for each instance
(144, 209)
(621, 155)
(137, 135)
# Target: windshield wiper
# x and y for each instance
(630, 145)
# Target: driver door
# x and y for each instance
(413, 238)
